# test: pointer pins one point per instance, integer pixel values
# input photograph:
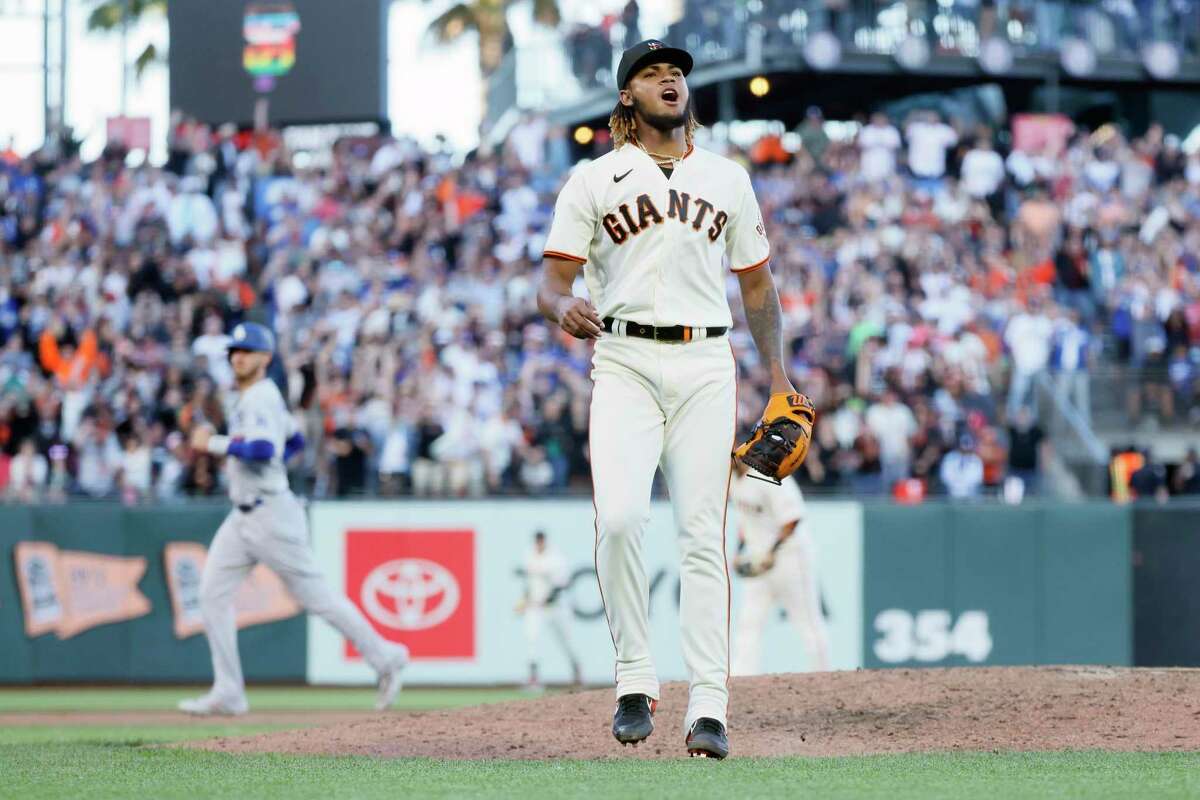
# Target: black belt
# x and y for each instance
(246, 508)
(669, 333)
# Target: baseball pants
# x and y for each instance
(554, 617)
(788, 584)
(276, 534)
(658, 404)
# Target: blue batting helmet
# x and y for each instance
(252, 336)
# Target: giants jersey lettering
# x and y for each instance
(656, 248)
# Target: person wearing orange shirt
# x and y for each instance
(73, 368)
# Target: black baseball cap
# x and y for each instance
(651, 51)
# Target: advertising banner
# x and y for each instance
(68, 591)
(262, 597)
(447, 579)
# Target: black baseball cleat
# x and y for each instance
(633, 720)
(707, 739)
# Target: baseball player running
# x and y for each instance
(545, 580)
(655, 224)
(776, 559)
(267, 525)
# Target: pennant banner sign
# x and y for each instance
(69, 591)
(262, 597)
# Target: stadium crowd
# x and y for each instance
(928, 279)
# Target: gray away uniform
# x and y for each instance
(268, 525)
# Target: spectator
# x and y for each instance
(1069, 363)
(395, 459)
(99, 456)
(629, 19)
(500, 438)
(1025, 443)
(878, 143)
(893, 426)
(1150, 481)
(962, 471)
(1186, 480)
(27, 474)
(170, 466)
(928, 140)
(812, 133)
(351, 450)
(537, 473)
(73, 368)
(212, 347)
(983, 171)
(136, 477)
(1028, 336)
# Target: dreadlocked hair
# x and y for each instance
(623, 126)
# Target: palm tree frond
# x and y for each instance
(453, 23)
(147, 57)
(107, 16)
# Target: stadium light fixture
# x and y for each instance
(584, 135)
(1078, 57)
(1161, 60)
(913, 52)
(995, 56)
(759, 86)
(823, 51)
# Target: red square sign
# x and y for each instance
(417, 587)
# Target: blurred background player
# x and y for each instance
(269, 525)
(546, 579)
(775, 561)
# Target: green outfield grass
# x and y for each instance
(269, 698)
(116, 762)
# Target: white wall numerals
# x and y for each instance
(931, 635)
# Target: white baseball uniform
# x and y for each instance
(763, 511)
(268, 525)
(656, 252)
(545, 578)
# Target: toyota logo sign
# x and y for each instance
(410, 594)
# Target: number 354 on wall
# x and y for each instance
(931, 635)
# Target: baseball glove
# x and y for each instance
(779, 442)
(753, 567)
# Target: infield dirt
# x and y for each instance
(821, 714)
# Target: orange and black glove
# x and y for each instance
(779, 442)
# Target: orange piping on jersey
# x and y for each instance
(567, 256)
(691, 147)
(753, 267)
(687, 334)
(724, 552)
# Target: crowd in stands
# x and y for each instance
(717, 30)
(931, 276)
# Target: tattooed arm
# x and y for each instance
(765, 319)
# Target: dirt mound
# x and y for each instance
(824, 714)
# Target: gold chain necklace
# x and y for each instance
(659, 158)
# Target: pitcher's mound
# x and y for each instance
(822, 714)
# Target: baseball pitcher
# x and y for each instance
(657, 225)
(267, 525)
(775, 559)
(542, 606)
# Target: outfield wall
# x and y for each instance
(97, 606)
(105, 593)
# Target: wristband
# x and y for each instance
(218, 445)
